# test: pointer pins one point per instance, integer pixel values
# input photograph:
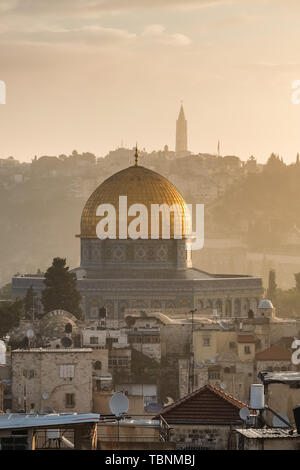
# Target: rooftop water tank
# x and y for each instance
(257, 397)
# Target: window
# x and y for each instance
(232, 345)
(28, 373)
(68, 328)
(247, 350)
(98, 365)
(118, 362)
(214, 375)
(70, 400)
(67, 371)
(206, 340)
(94, 340)
(196, 382)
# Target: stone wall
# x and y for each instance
(37, 383)
(213, 437)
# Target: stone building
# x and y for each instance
(55, 329)
(274, 359)
(203, 420)
(147, 341)
(127, 275)
(282, 393)
(52, 379)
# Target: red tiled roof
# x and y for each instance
(274, 353)
(246, 339)
(206, 405)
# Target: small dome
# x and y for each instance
(265, 303)
(53, 324)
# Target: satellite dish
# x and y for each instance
(66, 342)
(30, 334)
(277, 423)
(212, 360)
(244, 413)
(169, 401)
(45, 396)
(119, 404)
(223, 386)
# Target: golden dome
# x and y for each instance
(141, 186)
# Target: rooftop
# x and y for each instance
(291, 378)
(54, 350)
(20, 420)
(205, 405)
(246, 339)
(266, 433)
(276, 352)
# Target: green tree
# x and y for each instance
(5, 292)
(60, 289)
(10, 315)
(29, 303)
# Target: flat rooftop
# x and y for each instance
(267, 433)
(53, 350)
(280, 377)
(20, 420)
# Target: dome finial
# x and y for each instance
(136, 156)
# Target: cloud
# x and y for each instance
(91, 35)
(74, 7)
(157, 32)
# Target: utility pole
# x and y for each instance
(191, 361)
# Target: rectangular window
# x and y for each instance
(28, 373)
(70, 400)
(94, 340)
(67, 371)
(206, 341)
(214, 375)
(247, 349)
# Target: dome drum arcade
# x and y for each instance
(129, 275)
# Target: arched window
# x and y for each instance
(98, 365)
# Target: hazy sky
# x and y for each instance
(87, 74)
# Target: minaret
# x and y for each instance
(181, 132)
